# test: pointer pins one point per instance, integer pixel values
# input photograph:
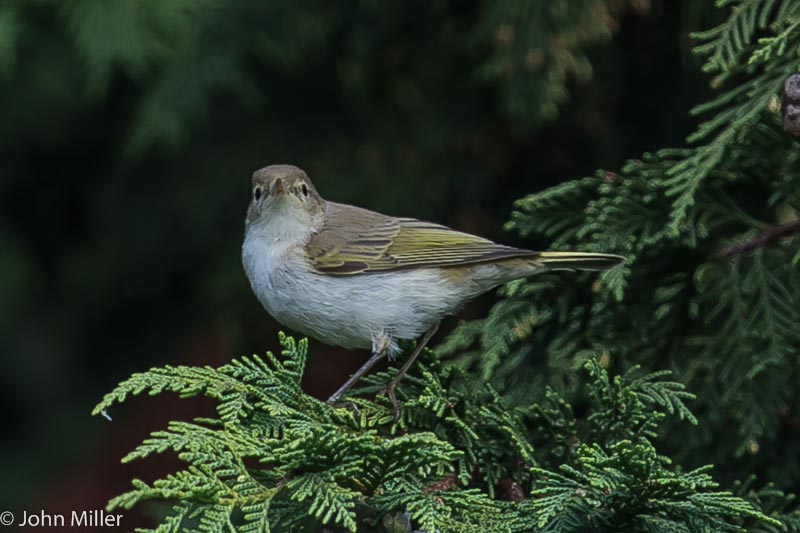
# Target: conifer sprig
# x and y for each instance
(725, 322)
(277, 459)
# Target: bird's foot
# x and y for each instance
(391, 390)
(334, 402)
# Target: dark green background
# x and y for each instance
(127, 139)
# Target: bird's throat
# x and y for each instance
(283, 224)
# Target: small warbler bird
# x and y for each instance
(359, 279)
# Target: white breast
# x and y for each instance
(348, 311)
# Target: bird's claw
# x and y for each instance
(346, 404)
(390, 393)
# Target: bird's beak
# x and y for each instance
(278, 187)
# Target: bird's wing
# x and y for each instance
(357, 241)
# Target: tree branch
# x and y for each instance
(762, 239)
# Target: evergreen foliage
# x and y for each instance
(540, 46)
(511, 435)
(182, 53)
(458, 458)
(709, 289)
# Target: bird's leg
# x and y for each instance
(380, 347)
(392, 386)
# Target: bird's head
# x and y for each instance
(284, 199)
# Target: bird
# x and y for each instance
(358, 279)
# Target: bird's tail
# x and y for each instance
(578, 260)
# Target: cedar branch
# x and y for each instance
(762, 239)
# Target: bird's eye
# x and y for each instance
(257, 192)
(304, 190)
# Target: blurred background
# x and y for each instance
(129, 131)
